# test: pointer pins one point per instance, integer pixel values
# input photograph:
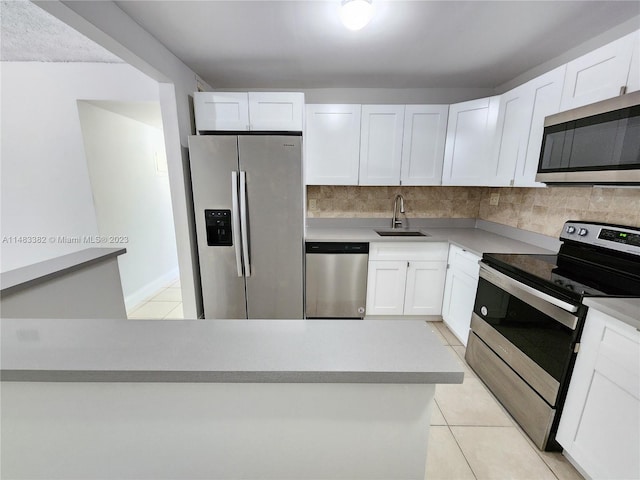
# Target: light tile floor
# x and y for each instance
(473, 437)
(164, 304)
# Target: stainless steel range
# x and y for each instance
(528, 317)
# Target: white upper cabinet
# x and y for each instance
(381, 144)
(543, 99)
(425, 131)
(332, 144)
(221, 111)
(599, 74)
(512, 130)
(468, 150)
(242, 111)
(276, 111)
(633, 80)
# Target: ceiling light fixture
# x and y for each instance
(355, 14)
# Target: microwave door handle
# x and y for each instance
(555, 308)
(235, 218)
(245, 223)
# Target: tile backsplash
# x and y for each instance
(540, 210)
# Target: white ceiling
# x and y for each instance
(29, 34)
(408, 44)
(300, 44)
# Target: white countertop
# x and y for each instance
(13, 280)
(247, 351)
(473, 239)
(626, 310)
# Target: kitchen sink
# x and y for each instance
(401, 233)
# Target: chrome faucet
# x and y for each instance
(395, 223)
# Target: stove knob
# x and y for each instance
(571, 229)
(484, 311)
(583, 232)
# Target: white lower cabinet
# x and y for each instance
(406, 278)
(600, 425)
(460, 291)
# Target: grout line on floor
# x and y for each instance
(461, 451)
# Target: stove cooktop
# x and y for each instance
(595, 259)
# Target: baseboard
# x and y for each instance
(149, 289)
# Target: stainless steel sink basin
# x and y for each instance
(401, 233)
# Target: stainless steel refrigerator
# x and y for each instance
(248, 201)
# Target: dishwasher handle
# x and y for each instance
(336, 247)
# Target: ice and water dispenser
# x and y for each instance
(218, 225)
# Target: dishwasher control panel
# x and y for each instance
(337, 247)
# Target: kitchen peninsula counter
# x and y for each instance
(271, 351)
(219, 399)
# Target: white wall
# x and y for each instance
(127, 168)
(106, 24)
(45, 188)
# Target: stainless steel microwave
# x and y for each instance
(595, 144)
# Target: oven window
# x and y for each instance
(540, 337)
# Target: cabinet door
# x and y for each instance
(425, 285)
(633, 80)
(276, 111)
(459, 297)
(469, 140)
(381, 144)
(600, 424)
(221, 111)
(425, 130)
(460, 291)
(385, 287)
(332, 144)
(598, 74)
(510, 142)
(544, 93)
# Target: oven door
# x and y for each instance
(522, 345)
(533, 332)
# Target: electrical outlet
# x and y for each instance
(494, 199)
(312, 204)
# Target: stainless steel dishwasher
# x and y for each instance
(336, 279)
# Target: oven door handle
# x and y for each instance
(557, 309)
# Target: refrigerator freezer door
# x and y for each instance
(273, 166)
(213, 159)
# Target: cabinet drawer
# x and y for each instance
(464, 261)
(427, 251)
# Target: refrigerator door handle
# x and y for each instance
(236, 221)
(244, 222)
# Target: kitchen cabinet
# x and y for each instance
(468, 149)
(633, 81)
(242, 111)
(600, 425)
(520, 126)
(543, 99)
(276, 111)
(425, 131)
(600, 74)
(510, 141)
(381, 144)
(332, 144)
(460, 291)
(406, 278)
